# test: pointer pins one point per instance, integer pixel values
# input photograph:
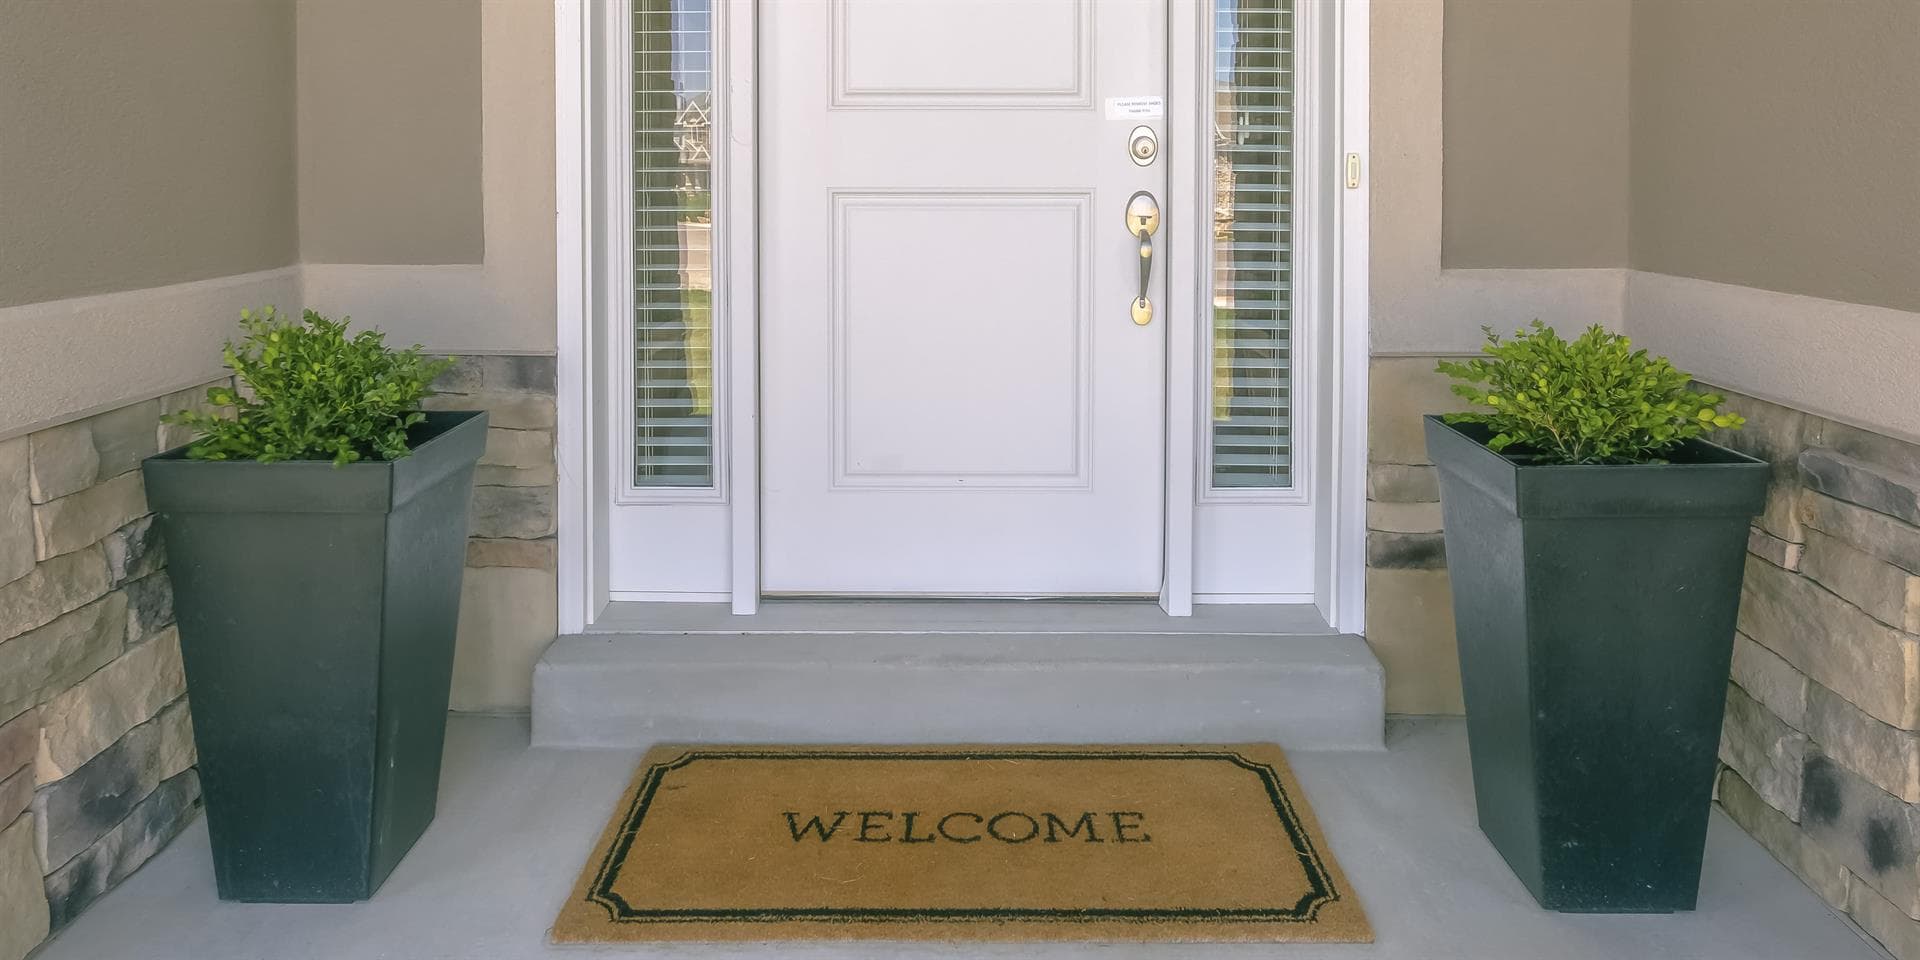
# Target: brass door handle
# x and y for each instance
(1143, 221)
(1142, 307)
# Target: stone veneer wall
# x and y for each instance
(1821, 753)
(1409, 606)
(1821, 758)
(509, 602)
(96, 746)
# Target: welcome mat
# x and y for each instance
(1194, 843)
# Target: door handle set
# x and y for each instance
(1143, 221)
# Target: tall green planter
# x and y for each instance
(317, 608)
(1595, 610)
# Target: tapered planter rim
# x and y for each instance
(1702, 478)
(318, 486)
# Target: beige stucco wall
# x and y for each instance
(146, 195)
(1776, 201)
(149, 187)
(389, 126)
(1419, 305)
(1535, 105)
(143, 144)
(501, 300)
(1759, 144)
(1777, 145)
(1760, 164)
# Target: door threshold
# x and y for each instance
(962, 616)
(963, 597)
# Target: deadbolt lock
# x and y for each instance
(1142, 145)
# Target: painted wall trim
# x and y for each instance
(450, 308)
(580, 598)
(1422, 354)
(1441, 311)
(67, 359)
(1848, 362)
(1341, 594)
(1190, 40)
(736, 209)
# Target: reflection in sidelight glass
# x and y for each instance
(1253, 243)
(673, 243)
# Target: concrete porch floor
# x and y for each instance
(515, 825)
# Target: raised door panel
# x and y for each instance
(961, 340)
(958, 53)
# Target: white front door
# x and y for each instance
(956, 398)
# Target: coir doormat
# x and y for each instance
(1195, 843)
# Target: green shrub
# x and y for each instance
(310, 392)
(1592, 400)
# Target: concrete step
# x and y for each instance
(789, 678)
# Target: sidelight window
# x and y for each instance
(673, 243)
(1253, 124)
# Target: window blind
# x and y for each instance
(1253, 244)
(672, 243)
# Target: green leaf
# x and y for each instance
(310, 392)
(1592, 399)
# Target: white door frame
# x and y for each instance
(582, 50)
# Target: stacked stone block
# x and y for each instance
(1409, 601)
(508, 604)
(1821, 748)
(96, 744)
